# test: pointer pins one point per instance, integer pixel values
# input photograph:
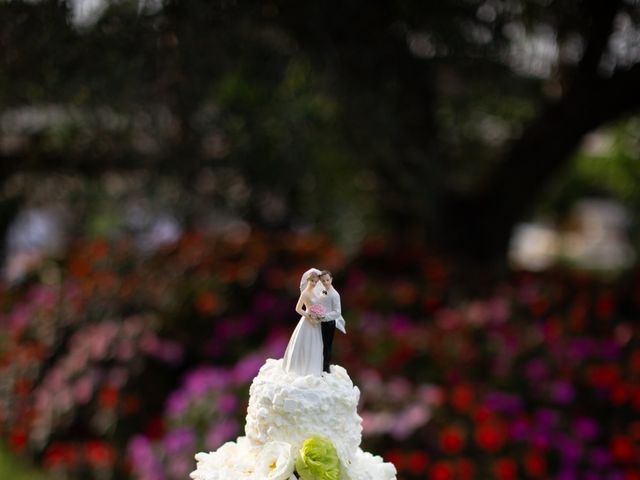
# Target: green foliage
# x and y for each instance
(607, 165)
(16, 469)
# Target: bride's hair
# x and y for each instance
(305, 277)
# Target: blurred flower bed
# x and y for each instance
(115, 364)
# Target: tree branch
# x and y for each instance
(603, 15)
(544, 148)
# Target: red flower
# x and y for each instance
(603, 376)
(631, 475)
(17, 441)
(441, 471)
(22, 387)
(535, 463)
(108, 397)
(635, 398)
(416, 463)
(539, 306)
(466, 469)
(99, 454)
(59, 456)
(619, 394)
(634, 361)
(452, 440)
(207, 303)
(130, 404)
(97, 249)
(462, 397)
(78, 267)
(622, 449)
(482, 414)
(605, 305)
(395, 457)
(155, 428)
(490, 436)
(506, 469)
(578, 317)
(404, 293)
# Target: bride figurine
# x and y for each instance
(304, 351)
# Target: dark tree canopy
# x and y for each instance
(441, 119)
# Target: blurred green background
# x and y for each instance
(468, 169)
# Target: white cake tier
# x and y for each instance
(290, 408)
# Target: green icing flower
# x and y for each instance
(318, 460)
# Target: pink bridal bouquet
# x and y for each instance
(317, 310)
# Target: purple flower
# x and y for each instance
(599, 457)
(275, 344)
(179, 467)
(176, 441)
(220, 433)
(536, 370)
(519, 429)
(570, 450)
(247, 368)
(169, 352)
(567, 474)
(546, 419)
(177, 403)
(579, 349)
(201, 380)
(503, 402)
(540, 440)
(227, 403)
(562, 392)
(400, 324)
(585, 428)
(609, 350)
(146, 465)
(263, 302)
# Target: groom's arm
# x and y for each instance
(336, 310)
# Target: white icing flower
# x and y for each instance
(366, 466)
(232, 461)
(276, 461)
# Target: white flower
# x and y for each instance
(366, 466)
(275, 461)
(232, 461)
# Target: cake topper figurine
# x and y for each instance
(310, 346)
(332, 319)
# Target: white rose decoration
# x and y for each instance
(275, 461)
(232, 461)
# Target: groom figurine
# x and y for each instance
(330, 300)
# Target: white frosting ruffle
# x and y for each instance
(287, 407)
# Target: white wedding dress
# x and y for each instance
(304, 351)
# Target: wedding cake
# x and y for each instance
(297, 427)
(302, 421)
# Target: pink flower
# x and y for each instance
(317, 310)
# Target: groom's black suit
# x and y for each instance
(328, 330)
